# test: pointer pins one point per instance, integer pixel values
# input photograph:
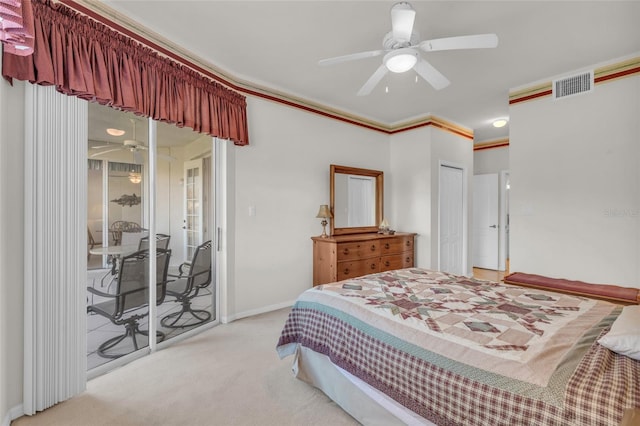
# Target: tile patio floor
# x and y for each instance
(100, 329)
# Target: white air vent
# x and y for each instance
(573, 85)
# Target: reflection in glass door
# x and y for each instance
(117, 278)
(120, 176)
(193, 216)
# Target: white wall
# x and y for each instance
(410, 183)
(575, 185)
(284, 175)
(491, 160)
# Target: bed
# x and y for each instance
(416, 346)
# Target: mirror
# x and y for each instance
(356, 197)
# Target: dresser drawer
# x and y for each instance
(357, 250)
(358, 268)
(407, 259)
(395, 261)
(396, 245)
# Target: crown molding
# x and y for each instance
(497, 143)
(602, 74)
(434, 121)
(164, 47)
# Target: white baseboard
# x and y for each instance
(252, 312)
(13, 414)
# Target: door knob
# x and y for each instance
(493, 226)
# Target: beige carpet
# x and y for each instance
(228, 375)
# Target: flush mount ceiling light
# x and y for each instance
(500, 122)
(115, 132)
(400, 60)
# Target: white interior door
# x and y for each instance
(452, 220)
(193, 207)
(485, 221)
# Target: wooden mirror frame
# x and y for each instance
(378, 175)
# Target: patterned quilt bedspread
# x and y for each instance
(462, 351)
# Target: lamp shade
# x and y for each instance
(324, 212)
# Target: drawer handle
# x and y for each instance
(346, 271)
(373, 247)
(373, 266)
(408, 243)
(386, 246)
(408, 259)
(387, 263)
(345, 251)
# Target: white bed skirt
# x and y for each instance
(366, 404)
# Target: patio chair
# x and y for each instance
(162, 242)
(126, 306)
(194, 276)
(91, 243)
(120, 226)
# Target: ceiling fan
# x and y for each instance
(401, 49)
(132, 145)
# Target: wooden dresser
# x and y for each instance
(348, 256)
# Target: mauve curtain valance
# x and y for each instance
(85, 58)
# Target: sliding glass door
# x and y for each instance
(121, 211)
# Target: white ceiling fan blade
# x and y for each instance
(373, 80)
(109, 145)
(104, 152)
(402, 17)
(478, 41)
(350, 57)
(431, 75)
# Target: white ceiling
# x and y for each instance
(277, 45)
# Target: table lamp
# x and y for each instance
(324, 213)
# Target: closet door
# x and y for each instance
(451, 229)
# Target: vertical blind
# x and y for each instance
(55, 255)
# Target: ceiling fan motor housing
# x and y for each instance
(131, 144)
(390, 43)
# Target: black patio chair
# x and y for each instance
(162, 242)
(126, 306)
(194, 276)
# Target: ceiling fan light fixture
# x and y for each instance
(400, 60)
(500, 122)
(115, 132)
(135, 177)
